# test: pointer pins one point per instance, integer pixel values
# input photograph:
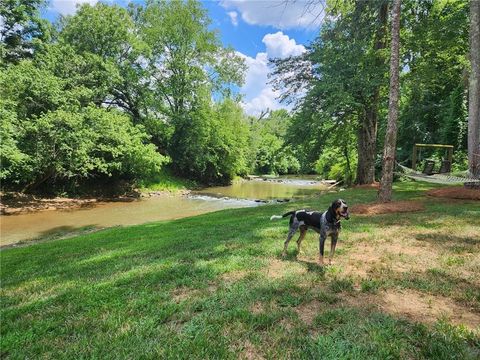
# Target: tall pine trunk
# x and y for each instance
(367, 129)
(474, 91)
(385, 192)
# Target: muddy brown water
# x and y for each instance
(16, 228)
(283, 188)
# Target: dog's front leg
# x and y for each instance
(332, 247)
(323, 237)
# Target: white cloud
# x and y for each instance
(281, 46)
(233, 17)
(68, 7)
(280, 14)
(266, 100)
(259, 95)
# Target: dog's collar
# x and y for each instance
(334, 223)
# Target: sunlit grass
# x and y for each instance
(166, 181)
(215, 286)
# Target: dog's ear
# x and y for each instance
(331, 213)
(335, 204)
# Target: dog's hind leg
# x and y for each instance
(291, 232)
(332, 247)
(303, 232)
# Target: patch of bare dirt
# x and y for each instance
(361, 300)
(183, 293)
(286, 324)
(308, 311)
(427, 308)
(457, 192)
(400, 248)
(277, 269)
(417, 307)
(257, 308)
(400, 253)
(234, 276)
(358, 265)
(387, 208)
(32, 204)
(249, 352)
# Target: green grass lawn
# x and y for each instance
(215, 286)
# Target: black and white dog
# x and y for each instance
(327, 223)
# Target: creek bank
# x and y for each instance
(15, 203)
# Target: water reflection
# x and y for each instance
(267, 190)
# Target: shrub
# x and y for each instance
(210, 145)
(63, 147)
(332, 164)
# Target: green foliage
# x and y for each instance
(181, 42)
(269, 150)
(12, 160)
(67, 147)
(211, 146)
(158, 65)
(110, 41)
(165, 180)
(333, 164)
(36, 89)
(22, 29)
(110, 30)
(344, 73)
(433, 106)
(115, 93)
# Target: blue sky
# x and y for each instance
(256, 29)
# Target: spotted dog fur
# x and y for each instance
(326, 224)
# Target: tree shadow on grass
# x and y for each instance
(110, 253)
(56, 233)
(450, 241)
(310, 266)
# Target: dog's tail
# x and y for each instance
(273, 217)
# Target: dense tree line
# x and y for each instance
(268, 143)
(114, 94)
(344, 76)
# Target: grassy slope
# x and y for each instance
(167, 181)
(215, 286)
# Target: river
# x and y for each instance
(15, 228)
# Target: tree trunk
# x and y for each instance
(367, 130)
(348, 178)
(385, 192)
(367, 148)
(474, 91)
